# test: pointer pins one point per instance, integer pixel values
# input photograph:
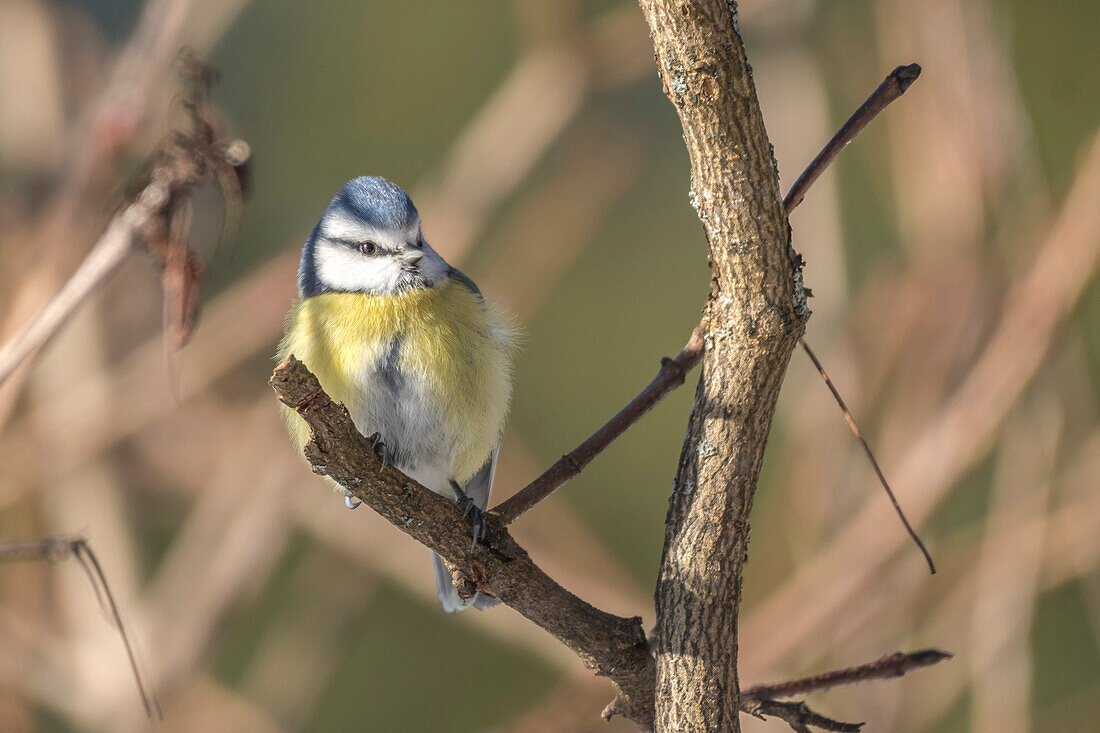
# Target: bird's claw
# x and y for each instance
(380, 449)
(475, 514)
(350, 501)
(477, 518)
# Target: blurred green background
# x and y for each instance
(548, 165)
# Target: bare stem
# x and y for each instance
(892, 665)
(112, 249)
(670, 376)
(892, 87)
(867, 451)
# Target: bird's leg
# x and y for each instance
(471, 510)
(350, 501)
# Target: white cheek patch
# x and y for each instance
(344, 269)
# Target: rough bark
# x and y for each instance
(756, 312)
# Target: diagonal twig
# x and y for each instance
(613, 646)
(867, 451)
(892, 665)
(671, 376)
(58, 548)
(112, 249)
(892, 87)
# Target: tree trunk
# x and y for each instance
(756, 312)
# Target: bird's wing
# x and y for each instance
(482, 482)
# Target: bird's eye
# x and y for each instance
(367, 248)
(419, 244)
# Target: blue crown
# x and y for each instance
(376, 202)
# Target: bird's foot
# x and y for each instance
(350, 501)
(472, 511)
(381, 449)
(477, 519)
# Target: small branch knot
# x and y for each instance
(572, 464)
(463, 584)
(677, 367)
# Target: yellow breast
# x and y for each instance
(447, 340)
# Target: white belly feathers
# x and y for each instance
(400, 406)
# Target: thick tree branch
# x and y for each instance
(614, 647)
(756, 313)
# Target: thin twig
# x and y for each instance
(895, 84)
(82, 551)
(796, 714)
(112, 249)
(56, 548)
(963, 430)
(870, 456)
(892, 665)
(670, 376)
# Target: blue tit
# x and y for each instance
(407, 343)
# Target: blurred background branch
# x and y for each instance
(187, 159)
(77, 548)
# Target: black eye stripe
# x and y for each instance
(364, 247)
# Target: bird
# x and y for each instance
(409, 346)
